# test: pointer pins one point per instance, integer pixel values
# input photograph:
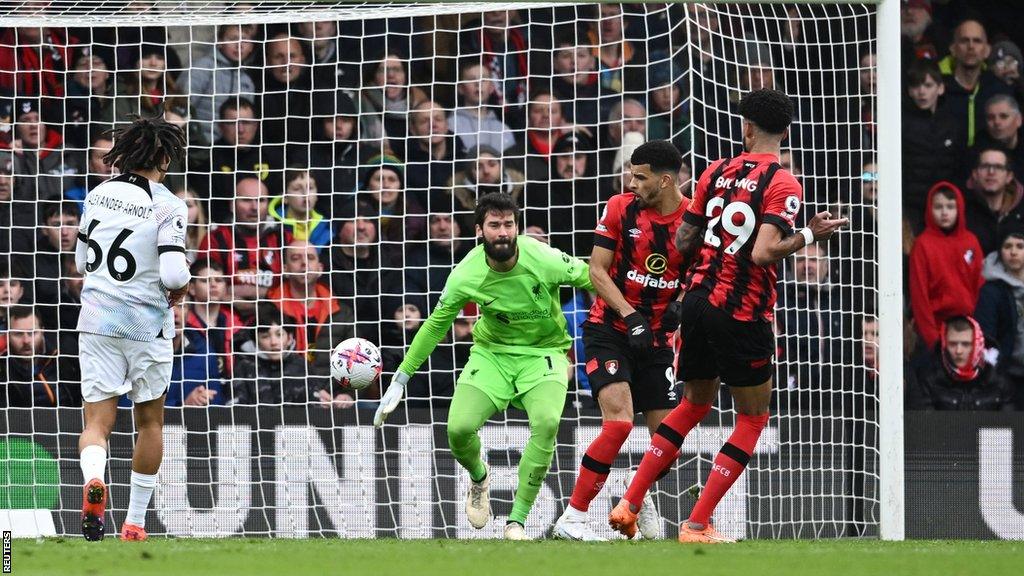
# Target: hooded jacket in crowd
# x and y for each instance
(1000, 313)
(1000, 310)
(945, 270)
(316, 229)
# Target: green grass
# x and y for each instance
(259, 557)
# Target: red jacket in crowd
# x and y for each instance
(33, 70)
(945, 270)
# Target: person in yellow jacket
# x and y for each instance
(295, 210)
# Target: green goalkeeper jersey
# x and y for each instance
(520, 311)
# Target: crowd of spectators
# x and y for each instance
(962, 205)
(333, 168)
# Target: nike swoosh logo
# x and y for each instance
(491, 302)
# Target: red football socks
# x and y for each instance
(729, 464)
(665, 447)
(597, 462)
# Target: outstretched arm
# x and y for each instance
(770, 246)
(427, 337)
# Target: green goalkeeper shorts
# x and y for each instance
(504, 378)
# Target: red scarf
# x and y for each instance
(972, 368)
(542, 144)
(514, 40)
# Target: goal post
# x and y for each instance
(890, 277)
(560, 113)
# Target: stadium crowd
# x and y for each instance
(333, 168)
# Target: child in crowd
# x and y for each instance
(945, 264)
(276, 374)
(297, 213)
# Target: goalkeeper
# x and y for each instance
(518, 356)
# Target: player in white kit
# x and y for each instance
(131, 249)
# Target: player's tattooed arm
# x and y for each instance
(688, 240)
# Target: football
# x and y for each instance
(355, 363)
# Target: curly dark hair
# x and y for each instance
(769, 110)
(145, 144)
(662, 156)
(496, 203)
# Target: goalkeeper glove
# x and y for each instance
(389, 401)
(638, 332)
(673, 315)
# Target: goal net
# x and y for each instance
(336, 151)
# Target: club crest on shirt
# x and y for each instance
(969, 256)
(611, 367)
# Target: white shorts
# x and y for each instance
(115, 366)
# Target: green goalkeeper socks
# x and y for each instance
(543, 406)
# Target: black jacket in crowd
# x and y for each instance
(933, 150)
(987, 225)
(963, 103)
(259, 380)
(47, 380)
(940, 391)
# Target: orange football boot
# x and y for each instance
(707, 535)
(94, 506)
(622, 519)
(131, 532)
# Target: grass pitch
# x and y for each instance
(264, 557)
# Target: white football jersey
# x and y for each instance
(128, 222)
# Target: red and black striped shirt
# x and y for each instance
(646, 264)
(733, 198)
(243, 251)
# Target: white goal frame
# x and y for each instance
(892, 491)
(887, 98)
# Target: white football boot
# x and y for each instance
(573, 525)
(647, 520)
(515, 531)
(478, 501)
